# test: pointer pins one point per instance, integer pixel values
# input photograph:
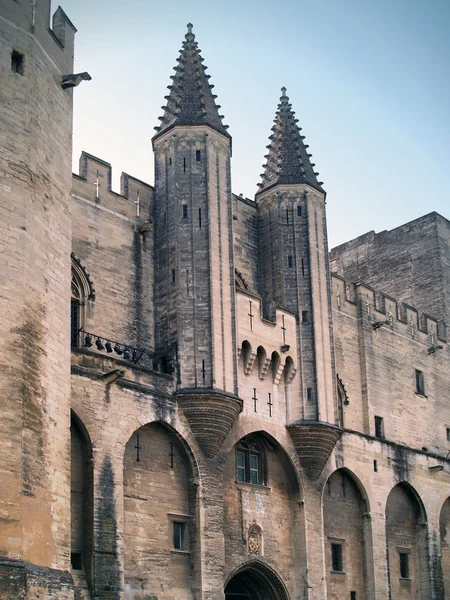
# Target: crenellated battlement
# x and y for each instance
(33, 18)
(385, 311)
(94, 184)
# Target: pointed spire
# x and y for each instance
(190, 100)
(287, 159)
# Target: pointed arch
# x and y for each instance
(82, 293)
(160, 543)
(348, 536)
(275, 364)
(257, 580)
(82, 278)
(407, 551)
(289, 370)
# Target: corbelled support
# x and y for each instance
(211, 415)
(314, 442)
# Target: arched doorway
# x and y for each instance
(255, 581)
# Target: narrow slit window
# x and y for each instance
(352, 595)
(17, 62)
(200, 218)
(170, 162)
(336, 558)
(287, 216)
(375, 466)
(185, 211)
(448, 434)
(379, 427)
(420, 383)
(303, 268)
(304, 316)
(404, 565)
(173, 275)
(299, 211)
(290, 262)
(184, 164)
(309, 394)
(198, 155)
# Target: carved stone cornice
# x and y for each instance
(314, 442)
(211, 415)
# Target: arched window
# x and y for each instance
(250, 462)
(82, 290)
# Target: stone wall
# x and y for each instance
(35, 229)
(410, 262)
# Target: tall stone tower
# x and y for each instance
(294, 272)
(195, 305)
(35, 240)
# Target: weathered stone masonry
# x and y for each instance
(211, 414)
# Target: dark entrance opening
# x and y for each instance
(256, 582)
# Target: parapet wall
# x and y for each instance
(386, 310)
(94, 184)
(33, 20)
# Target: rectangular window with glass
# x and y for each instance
(179, 536)
(254, 468)
(420, 383)
(336, 558)
(404, 565)
(240, 466)
(250, 462)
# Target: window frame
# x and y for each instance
(335, 545)
(379, 427)
(403, 554)
(181, 521)
(247, 450)
(419, 382)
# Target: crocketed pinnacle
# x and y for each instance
(191, 101)
(288, 160)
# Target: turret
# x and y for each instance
(294, 273)
(195, 305)
(35, 234)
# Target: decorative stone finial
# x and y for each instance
(283, 91)
(190, 37)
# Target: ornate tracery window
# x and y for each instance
(82, 291)
(250, 462)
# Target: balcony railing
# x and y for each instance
(89, 340)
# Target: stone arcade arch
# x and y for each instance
(444, 526)
(407, 546)
(81, 504)
(160, 511)
(263, 518)
(347, 535)
(255, 581)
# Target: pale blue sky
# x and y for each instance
(369, 81)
